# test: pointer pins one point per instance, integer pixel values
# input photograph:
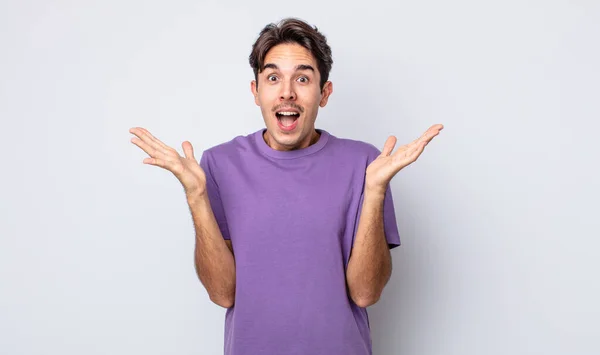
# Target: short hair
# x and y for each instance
(292, 30)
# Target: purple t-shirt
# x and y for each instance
(292, 217)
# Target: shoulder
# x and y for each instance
(354, 148)
(230, 150)
(236, 144)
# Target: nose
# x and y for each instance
(287, 91)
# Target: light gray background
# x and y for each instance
(498, 218)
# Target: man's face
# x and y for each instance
(289, 96)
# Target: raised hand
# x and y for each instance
(186, 169)
(387, 165)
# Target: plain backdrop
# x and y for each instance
(498, 217)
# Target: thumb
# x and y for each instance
(389, 146)
(188, 150)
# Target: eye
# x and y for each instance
(272, 77)
(303, 79)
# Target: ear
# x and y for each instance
(254, 90)
(327, 90)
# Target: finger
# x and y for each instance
(150, 150)
(389, 145)
(414, 152)
(154, 139)
(165, 164)
(435, 129)
(419, 151)
(428, 136)
(416, 141)
(407, 149)
(145, 135)
(188, 150)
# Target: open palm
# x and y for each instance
(387, 165)
(186, 169)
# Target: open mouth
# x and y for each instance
(287, 119)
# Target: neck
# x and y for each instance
(314, 138)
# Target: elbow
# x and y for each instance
(225, 302)
(364, 297)
(365, 294)
(365, 302)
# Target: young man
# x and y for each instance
(294, 226)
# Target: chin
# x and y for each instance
(289, 140)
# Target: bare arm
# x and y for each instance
(213, 256)
(370, 265)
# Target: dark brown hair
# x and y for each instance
(292, 30)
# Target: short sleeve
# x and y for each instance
(214, 196)
(389, 220)
(390, 226)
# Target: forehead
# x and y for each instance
(288, 55)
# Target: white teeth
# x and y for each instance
(287, 113)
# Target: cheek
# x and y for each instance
(315, 100)
(263, 96)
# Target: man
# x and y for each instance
(294, 226)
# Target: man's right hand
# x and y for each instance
(186, 169)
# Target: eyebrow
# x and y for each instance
(298, 67)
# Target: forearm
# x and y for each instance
(214, 262)
(370, 263)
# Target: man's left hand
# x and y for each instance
(381, 171)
